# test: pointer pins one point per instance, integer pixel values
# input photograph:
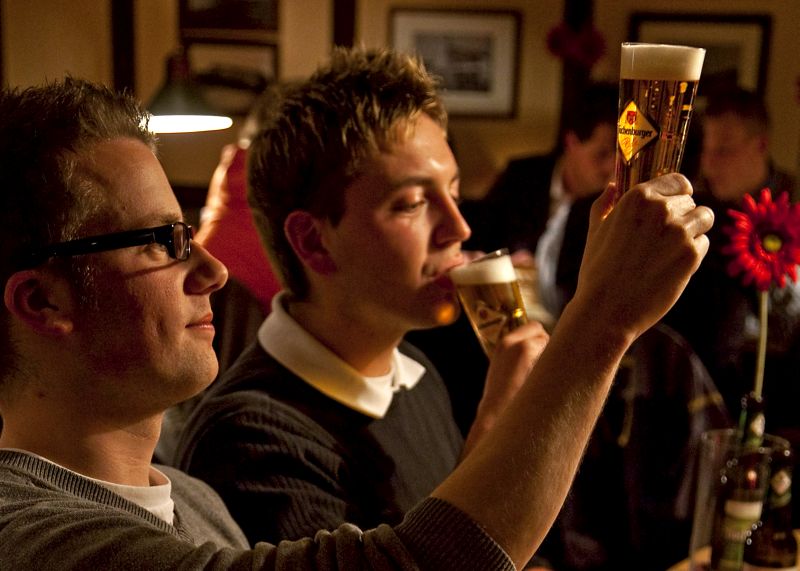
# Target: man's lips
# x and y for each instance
(205, 322)
(440, 275)
(444, 282)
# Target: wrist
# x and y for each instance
(605, 335)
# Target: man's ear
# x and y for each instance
(570, 140)
(304, 234)
(41, 301)
(762, 144)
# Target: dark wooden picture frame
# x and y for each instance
(475, 52)
(737, 45)
(242, 20)
(232, 73)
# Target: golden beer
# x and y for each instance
(658, 84)
(490, 294)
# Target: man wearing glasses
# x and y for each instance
(175, 237)
(105, 326)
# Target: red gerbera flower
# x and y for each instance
(765, 241)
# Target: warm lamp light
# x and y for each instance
(179, 106)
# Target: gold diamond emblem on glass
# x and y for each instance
(634, 131)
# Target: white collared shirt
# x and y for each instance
(548, 247)
(297, 350)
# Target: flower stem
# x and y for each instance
(762, 342)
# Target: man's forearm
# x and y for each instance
(509, 368)
(516, 479)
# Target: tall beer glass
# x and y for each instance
(658, 83)
(490, 294)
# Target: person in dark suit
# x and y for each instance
(530, 204)
(735, 162)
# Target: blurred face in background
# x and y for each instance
(589, 164)
(734, 159)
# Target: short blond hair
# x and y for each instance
(312, 147)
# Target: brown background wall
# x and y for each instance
(48, 38)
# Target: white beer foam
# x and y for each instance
(661, 61)
(489, 271)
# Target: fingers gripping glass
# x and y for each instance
(175, 237)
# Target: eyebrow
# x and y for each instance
(160, 219)
(423, 180)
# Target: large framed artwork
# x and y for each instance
(737, 45)
(474, 52)
(232, 49)
(232, 73)
(253, 20)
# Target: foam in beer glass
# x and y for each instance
(491, 297)
(658, 84)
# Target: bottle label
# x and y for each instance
(491, 322)
(634, 131)
(746, 512)
(736, 527)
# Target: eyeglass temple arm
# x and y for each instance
(92, 245)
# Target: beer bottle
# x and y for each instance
(741, 485)
(751, 421)
(772, 545)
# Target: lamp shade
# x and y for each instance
(179, 106)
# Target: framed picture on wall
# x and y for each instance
(253, 20)
(232, 73)
(474, 52)
(737, 45)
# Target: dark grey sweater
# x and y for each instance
(51, 518)
(288, 461)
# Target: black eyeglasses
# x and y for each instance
(176, 237)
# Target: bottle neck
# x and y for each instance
(751, 421)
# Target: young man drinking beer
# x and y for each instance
(330, 417)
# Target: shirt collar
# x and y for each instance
(558, 194)
(297, 350)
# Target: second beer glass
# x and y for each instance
(658, 83)
(490, 294)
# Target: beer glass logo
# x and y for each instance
(490, 320)
(634, 131)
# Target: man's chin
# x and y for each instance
(203, 378)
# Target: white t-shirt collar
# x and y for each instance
(155, 498)
(297, 350)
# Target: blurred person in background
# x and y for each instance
(718, 314)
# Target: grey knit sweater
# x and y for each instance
(51, 518)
